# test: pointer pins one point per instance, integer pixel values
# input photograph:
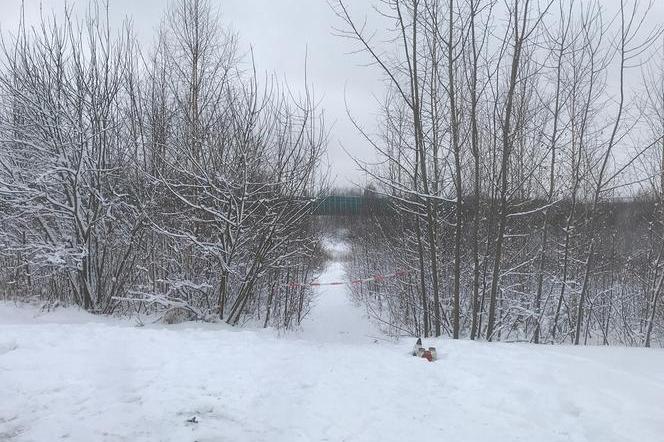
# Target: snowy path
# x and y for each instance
(70, 376)
(333, 317)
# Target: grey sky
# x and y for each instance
(281, 32)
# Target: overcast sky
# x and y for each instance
(281, 33)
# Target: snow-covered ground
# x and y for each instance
(70, 376)
(334, 319)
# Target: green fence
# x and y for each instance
(337, 205)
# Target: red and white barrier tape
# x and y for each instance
(375, 278)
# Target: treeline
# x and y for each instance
(507, 135)
(165, 179)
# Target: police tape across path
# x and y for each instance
(374, 278)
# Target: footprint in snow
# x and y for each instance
(6, 347)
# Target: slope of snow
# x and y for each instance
(105, 380)
(334, 319)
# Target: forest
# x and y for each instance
(519, 171)
(172, 179)
(525, 159)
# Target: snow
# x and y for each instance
(71, 376)
(334, 319)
